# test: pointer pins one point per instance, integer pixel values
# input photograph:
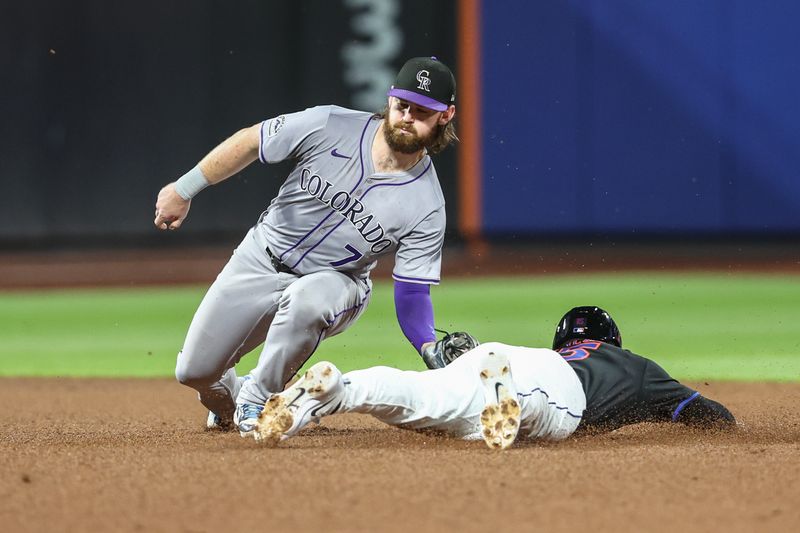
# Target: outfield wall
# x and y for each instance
(640, 117)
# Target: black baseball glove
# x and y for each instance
(448, 349)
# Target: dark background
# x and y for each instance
(630, 120)
(105, 102)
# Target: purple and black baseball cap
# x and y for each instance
(426, 81)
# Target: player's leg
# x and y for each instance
(231, 320)
(500, 418)
(410, 399)
(449, 399)
(534, 390)
(319, 392)
(313, 308)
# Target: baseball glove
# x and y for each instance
(448, 349)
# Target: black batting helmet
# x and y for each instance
(587, 322)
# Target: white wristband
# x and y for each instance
(191, 183)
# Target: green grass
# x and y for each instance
(697, 326)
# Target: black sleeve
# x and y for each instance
(624, 388)
(703, 412)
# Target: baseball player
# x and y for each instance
(624, 388)
(493, 391)
(363, 186)
(496, 391)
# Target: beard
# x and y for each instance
(406, 144)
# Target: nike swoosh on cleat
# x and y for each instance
(319, 407)
(497, 386)
(300, 392)
(335, 153)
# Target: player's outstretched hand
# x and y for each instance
(448, 349)
(171, 209)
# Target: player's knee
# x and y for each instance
(192, 375)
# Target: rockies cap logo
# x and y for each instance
(424, 80)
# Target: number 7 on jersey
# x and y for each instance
(355, 256)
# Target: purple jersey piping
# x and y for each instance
(549, 402)
(361, 160)
(361, 303)
(330, 323)
(261, 144)
(430, 163)
(404, 278)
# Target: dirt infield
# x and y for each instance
(131, 455)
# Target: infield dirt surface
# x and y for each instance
(133, 455)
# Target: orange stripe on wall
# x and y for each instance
(469, 118)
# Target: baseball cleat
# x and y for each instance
(246, 416)
(501, 415)
(222, 419)
(318, 393)
(217, 423)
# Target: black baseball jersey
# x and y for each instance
(623, 388)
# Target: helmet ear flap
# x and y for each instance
(586, 322)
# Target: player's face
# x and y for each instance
(410, 127)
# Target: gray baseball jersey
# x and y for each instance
(336, 212)
(331, 220)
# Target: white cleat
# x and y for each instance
(218, 423)
(318, 393)
(501, 416)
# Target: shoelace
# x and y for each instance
(251, 410)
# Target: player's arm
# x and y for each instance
(414, 308)
(417, 267)
(668, 399)
(700, 411)
(228, 158)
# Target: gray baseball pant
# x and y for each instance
(250, 303)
